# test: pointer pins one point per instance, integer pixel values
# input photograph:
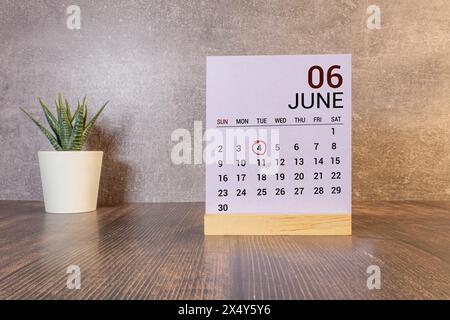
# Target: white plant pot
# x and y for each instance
(70, 180)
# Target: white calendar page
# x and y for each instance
(278, 135)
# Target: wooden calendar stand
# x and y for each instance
(266, 224)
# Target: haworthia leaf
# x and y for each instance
(65, 125)
(59, 126)
(85, 115)
(76, 113)
(76, 138)
(79, 109)
(91, 123)
(69, 112)
(52, 121)
(85, 104)
(44, 130)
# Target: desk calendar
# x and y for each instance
(278, 145)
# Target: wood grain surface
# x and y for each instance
(278, 224)
(158, 251)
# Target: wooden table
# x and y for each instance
(158, 251)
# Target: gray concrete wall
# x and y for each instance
(401, 101)
(148, 58)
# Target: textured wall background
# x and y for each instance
(148, 58)
(401, 101)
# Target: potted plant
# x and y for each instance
(70, 177)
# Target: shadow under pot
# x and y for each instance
(70, 180)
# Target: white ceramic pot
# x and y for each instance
(70, 180)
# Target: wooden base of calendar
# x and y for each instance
(270, 224)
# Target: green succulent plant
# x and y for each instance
(70, 131)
